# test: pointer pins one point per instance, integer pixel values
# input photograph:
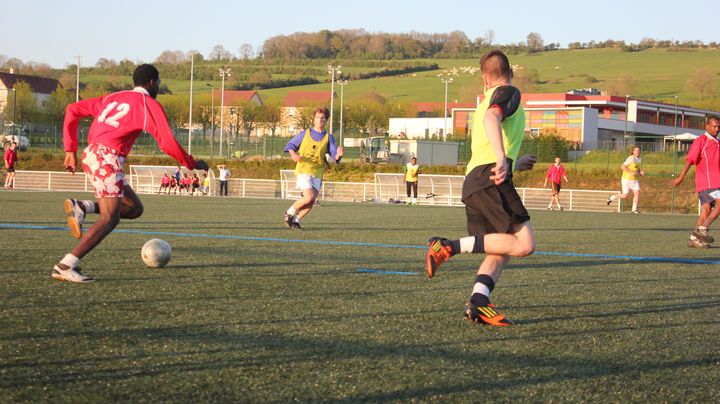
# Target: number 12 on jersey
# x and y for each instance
(112, 120)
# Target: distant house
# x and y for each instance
(294, 100)
(232, 99)
(41, 87)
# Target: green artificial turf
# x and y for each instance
(250, 311)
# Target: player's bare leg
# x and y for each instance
(111, 211)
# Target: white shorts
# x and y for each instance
(307, 181)
(628, 185)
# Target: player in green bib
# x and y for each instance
(497, 221)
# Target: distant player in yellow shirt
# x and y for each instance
(630, 179)
(412, 169)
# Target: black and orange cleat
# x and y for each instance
(440, 251)
(485, 315)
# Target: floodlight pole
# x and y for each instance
(627, 112)
(446, 80)
(224, 71)
(212, 120)
(342, 93)
(192, 68)
(77, 80)
(675, 154)
(332, 70)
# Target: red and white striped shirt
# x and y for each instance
(704, 153)
(119, 118)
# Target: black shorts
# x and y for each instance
(555, 187)
(11, 169)
(494, 210)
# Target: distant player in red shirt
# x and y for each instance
(555, 174)
(704, 154)
(119, 118)
(164, 184)
(185, 184)
(10, 158)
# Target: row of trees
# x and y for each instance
(367, 114)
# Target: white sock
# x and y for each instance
(292, 210)
(612, 197)
(70, 260)
(467, 244)
(89, 206)
(481, 288)
(634, 208)
(702, 228)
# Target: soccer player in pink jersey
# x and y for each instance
(555, 174)
(704, 154)
(119, 118)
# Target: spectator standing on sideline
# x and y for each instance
(118, 119)
(10, 158)
(411, 169)
(555, 173)
(224, 175)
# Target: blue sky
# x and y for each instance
(54, 32)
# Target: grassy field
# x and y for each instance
(612, 308)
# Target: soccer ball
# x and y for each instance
(155, 253)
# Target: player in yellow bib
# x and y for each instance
(311, 150)
(497, 221)
(412, 169)
(630, 179)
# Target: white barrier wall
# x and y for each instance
(440, 190)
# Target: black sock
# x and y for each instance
(455, 245)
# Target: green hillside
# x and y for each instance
(657, 74)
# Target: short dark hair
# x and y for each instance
(322, 110)
(712, 118)
(144, 73)
(496, 64)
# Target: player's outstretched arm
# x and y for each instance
(680, 178)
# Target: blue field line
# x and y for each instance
(362, 244)
(382, 272)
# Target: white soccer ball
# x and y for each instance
(156, 253)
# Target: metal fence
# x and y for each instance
(438, 190)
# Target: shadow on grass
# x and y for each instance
(220, 350)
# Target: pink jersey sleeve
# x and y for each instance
(693, 155)
(73, 114)
(158, 127)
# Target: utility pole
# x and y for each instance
(77, 80)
